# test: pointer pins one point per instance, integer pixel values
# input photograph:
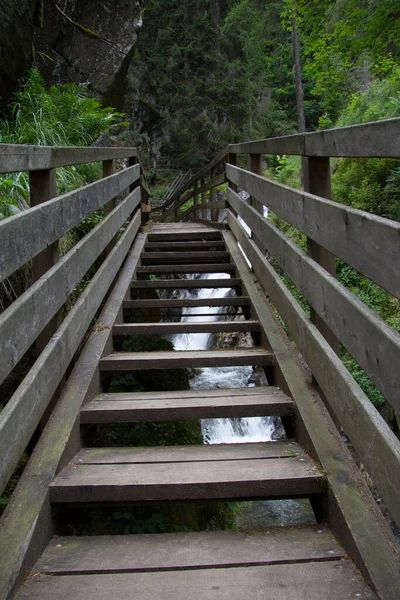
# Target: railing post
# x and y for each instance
(318, 182)
(196, 200)
(255, 167)
(42, 188)
(203, 198)
(109, 169)
(213, 196)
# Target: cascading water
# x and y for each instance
(244, 430)
(218, 431)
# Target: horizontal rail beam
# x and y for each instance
(23, 321)
(373, 343)
(378, 139)
(17, 157)
(368, 243)
(29, 232)
(21, 415)
(203, 206)
(372, 438)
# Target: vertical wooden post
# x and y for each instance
(255, 167)
(213, 197)
(196, 200)
(318, 179)
(109, 169)
(42, 188)
(203, 198)
(232, 161)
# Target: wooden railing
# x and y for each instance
(368, 243)
(33, 235)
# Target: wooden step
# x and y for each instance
(186, 328)
(186, 284)
(158, 481)
(187, 454)
(198, 404)
(210, 268)
(160, 258)
(176, 236)
(184, 246)
(326, 580)
(178, 551)
(186, 302)
(132, 361)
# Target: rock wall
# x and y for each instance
(68, 47)
(17, 24)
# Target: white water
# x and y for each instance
(221, 431)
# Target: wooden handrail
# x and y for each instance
(33, 235)
(17, 157)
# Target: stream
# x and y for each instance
(244, 430)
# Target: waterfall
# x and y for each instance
(219, 431)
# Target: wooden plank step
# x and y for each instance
(186, 302)
(176, 236)
(260, 478)
(178, 551)
(331, 580)
(210, 268)
(184, 246)
(186, 327)
(186, 283)
(133, 408)
(160, 258)
(187, 454)
(131, 361)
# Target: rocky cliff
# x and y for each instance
(17, 22)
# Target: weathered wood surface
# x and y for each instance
(177, 551)
(22, 413)
(328, 580)
(184, 246)
(118, 408)
(186, 327)
(186, 302)
(195, 192)
(186, 283)
(372, 438)
(131, 361)
(186, 454)
(23, 526)
(23, 321)
(18, 157)
(369, 243)
(204, 206)
(29, 232)
(151, 258)
(379, 139)
(177, 236)
(351, 504)
(171, 269)
(374, 344)
(247, 478)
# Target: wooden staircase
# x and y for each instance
(300, 563)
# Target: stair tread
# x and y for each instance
(183, 454)
(196, 480)
(127, 361)
(190, 268)
(176, 551)
(186, 302)
(186, 283)
(125, 407)
(186, 327)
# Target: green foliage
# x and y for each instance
(63, 115)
